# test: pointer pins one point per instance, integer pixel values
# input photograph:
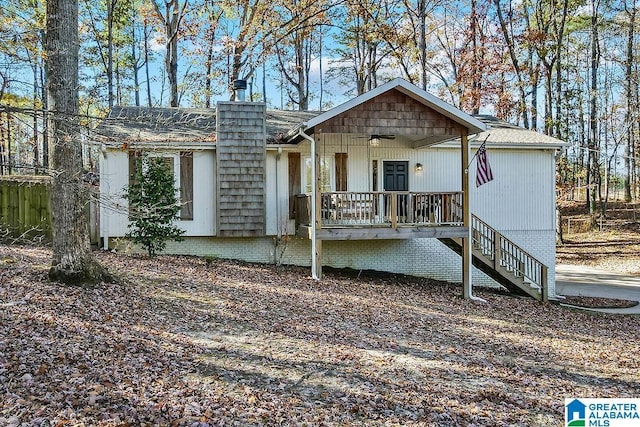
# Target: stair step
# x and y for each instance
(508, 273)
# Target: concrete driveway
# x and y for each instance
(580, 280)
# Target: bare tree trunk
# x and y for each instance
(171, 63)
(548, 115)
(535, 78)
(9, 156)
(36, 147)
(298, 78)
(558, 64)
(110, 5)
(320, 43)
(422, 43)
(147, 34)
(475, 67)
(264, 81)
(592, 166)
(558, 120)
(301, 65)
(171, 19)
(630, 96)
(136, 66)
(209, 67)
(118, 76)
(581, 130)
(45, 119)
(72, 261)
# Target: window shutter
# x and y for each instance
(341, 171)
(294, 181)
(186, 185)
(135, 162)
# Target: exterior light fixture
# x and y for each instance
(374, 141)
(418, 167)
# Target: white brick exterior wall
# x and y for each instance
(417, 257)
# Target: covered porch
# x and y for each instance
(380, 135)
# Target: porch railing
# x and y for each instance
(382, 208)
(507, 256)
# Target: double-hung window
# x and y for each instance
(181, 165)
(324, 172)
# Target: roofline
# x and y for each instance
(474, 125)
(510, 145)
(163, 145)
(283, 147)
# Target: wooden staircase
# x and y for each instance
(504, 261)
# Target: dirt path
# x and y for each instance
(615, 248)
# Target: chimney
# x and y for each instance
(239, 88)
(241, 161)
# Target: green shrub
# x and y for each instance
(153, 205)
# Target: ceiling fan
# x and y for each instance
(374, 139)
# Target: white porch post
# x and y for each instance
(467, 285)
(316, 270)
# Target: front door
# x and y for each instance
(396, 178)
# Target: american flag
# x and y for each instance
(483, 171)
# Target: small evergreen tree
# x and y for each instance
(153, 205)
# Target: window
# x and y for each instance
(324, 172)
(181, 164)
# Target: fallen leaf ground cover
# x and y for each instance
(186, 342)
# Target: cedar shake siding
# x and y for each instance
(392, 113)
(241, 161)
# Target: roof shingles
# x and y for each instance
(198, 125)
(187, 125)
(141, 124)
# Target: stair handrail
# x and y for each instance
(507, 255)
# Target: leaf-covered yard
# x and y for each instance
(187, 342)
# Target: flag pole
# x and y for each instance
(476, 153)
(467, 241)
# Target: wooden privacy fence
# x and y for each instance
(24, 205)
(25, 209)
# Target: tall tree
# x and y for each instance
(631, 94)
(72, 261)
(593, 145)
(105, 45)
(136, 29)
(250, 21)
(383, 35)
(507, 30)
(171, 18)
(550, 19)
(297, 47)
(213, 19)
(418, 14)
